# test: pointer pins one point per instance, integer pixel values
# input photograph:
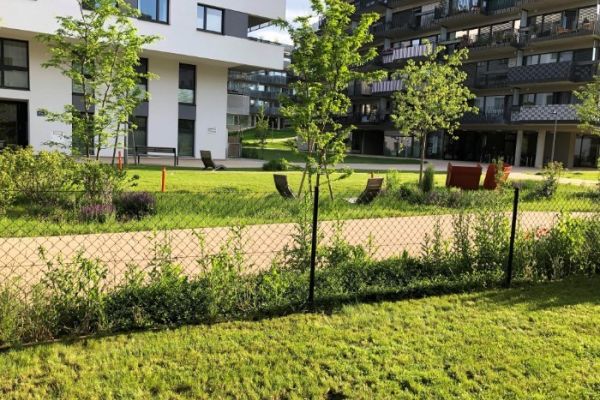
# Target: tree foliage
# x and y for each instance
(588, 110)
(324, 62)
(99, 50)
(434, 96)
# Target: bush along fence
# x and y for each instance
(75, 262)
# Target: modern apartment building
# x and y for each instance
(200, 43)
(526, 59)
(265, 89)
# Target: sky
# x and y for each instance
(294, 8)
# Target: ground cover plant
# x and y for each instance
(530, 342)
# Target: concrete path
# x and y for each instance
(261, 244)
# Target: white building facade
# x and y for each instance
(200, 43)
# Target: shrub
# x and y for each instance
(38, 178)
(552, 172)
(102, 183)
(96, 212)
(250, 152)
(393, 181)
(135, 205)
(428, 183)
(280, 164)
(71, 295)
(11, 314)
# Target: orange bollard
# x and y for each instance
(163, 187)
(120, 162)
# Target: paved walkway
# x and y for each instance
(261, 244)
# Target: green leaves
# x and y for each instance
(588, 110)
(99, 51)
(324, 62)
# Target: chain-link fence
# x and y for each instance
(63, 245)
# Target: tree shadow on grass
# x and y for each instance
(550, 295)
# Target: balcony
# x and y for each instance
(553, 72)
(536, 34)
(487, 116)
(269, 111)
(565, 113)
(402, 54)
(386, 87)
(460, 16)
(490, 80)
(485, 41)
(366, 6)
(372, 120)
(358, 89)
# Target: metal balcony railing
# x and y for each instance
(392, 55)
(388, 86)
(486, 116)
(538, 33)
(545, 113)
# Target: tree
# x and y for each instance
(99, 51)
(324, 62)
(434, 96)
(588, 110)
(262, 128)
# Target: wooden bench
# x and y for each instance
(144, 150)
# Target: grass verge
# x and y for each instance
(533, 342)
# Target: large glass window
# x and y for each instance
(142, 69)
(154, 10)
(139, 135)
(185, 137)
(187, 84)
(210, 19)
(14, 64)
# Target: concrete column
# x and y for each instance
(443, 33)
(571, 152)
(518, 148)
(515, 97)
(524, 16)
(539, 151)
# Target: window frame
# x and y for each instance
(157, 21)
(4, 68)
(204, 29)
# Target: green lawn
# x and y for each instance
(198, 198)
(590, 175)
(537, 342)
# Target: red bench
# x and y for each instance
(489, 182)
(466, 178)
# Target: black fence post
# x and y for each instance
(513, 233)
(313, 248)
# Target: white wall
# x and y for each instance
(49, 90)
(179, 37)
(211, 111)
(163, 109)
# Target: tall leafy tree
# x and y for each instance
(324, 62)
(434, 96)
(588, 110)
(99, 50)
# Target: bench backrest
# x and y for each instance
(147, 149)
(374, 186)
(207, 160)
(282, 186)
(466, 178)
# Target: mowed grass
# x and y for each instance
(588, 175)
(197, 198)
(537, 342)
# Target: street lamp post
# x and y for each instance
(555, 113)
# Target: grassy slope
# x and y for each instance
(276, 147)
(536, 343)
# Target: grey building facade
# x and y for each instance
(526, 57)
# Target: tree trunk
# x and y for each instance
(423, 148)
(114, 155)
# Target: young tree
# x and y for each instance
(324, 62)
(588, 110)
(434, 97)
(99, 51)
(262, 128)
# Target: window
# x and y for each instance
(14, 64)
(154, 10)
(548, 58)
(187, 84)
(142, 69)
(139, 135)
(210, 19)
(185, 137)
